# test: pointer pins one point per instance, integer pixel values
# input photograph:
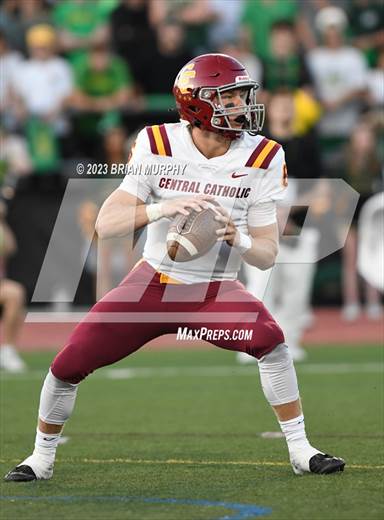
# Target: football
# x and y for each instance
(191, 236)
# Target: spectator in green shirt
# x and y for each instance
(103, 89)
(285, 66)
(257, 19)
(80, 24)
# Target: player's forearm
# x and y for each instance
(262, 254)
(120, 220)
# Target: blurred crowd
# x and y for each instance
(78, 79)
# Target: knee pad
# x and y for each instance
(57, 400)
(278, 376)
(279, 355)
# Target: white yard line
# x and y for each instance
(225, 371)
(210, 371)
(182, 462)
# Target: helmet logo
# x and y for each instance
(185, 75)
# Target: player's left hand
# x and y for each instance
(229, 231)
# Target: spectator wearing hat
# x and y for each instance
(44, 81)
(41, 86)
(340, 78)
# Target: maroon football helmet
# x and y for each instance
(198, 92)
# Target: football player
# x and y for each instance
(213, 154)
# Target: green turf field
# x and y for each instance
(176, 435)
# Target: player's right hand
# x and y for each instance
(183, 205)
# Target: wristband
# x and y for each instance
(154, 212)
(245, 243)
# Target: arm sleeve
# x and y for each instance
(269, 189)
(273, 183)
(135, 182)
(262, 214)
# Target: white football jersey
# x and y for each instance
(247, 181)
